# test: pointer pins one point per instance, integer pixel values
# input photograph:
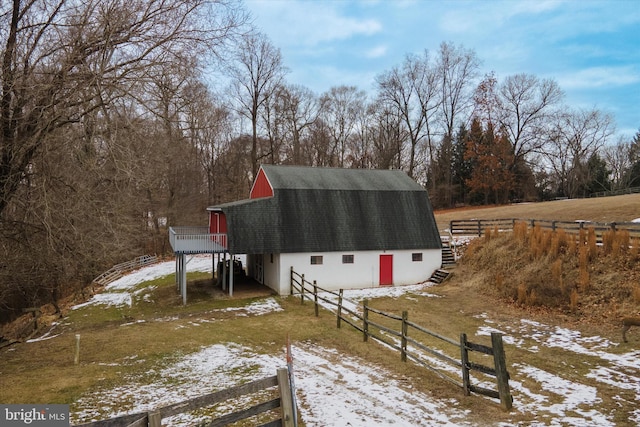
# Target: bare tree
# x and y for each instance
(340, 108)
(298, 107)
(576, 136)
(256, 72)
(414, 92)
(457, 70)
(527, 108)
(61, 60)
(618, 158)
(77, 146)
(388, 136)
(209, 131)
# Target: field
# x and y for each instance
(140, 348)
(609, 209)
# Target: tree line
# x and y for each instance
(121, 118)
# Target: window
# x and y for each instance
(416, 257)
(347, 259)
(271, 257)
(316, 259)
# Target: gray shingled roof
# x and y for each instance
(330, 209)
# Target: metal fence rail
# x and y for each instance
(118, 270)
(196, 240)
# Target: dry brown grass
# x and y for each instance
(547, 272)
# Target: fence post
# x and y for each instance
(315, 297)
(502, 375)
(154, 419)
(479, 229)
(464, 359)
(365, 320)
(291, 280)
(403, 340)
(339, 308)
(302, 290)
(286, 401)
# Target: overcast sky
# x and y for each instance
(591, 48)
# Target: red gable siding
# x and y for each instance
(261, 186)
(217, 222)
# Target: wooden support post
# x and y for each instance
(339, 308)
(403, 339)
(286, 401)
(184, 279)
(315, 297)
(224, 271)
(502, 375)
(302, 289)
(213, 267)
(365, 320)
(177, 272)
(464, 359)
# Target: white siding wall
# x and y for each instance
(363, 273)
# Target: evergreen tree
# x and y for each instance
(490, 154)
(633, 175)
(460, 167)
(598, 175)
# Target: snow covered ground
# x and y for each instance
(341, 390)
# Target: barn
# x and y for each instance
(344, 228)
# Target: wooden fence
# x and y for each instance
(284, 401)
(118, 270)
(476, 227)
(414, 341)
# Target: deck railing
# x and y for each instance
(196, 240)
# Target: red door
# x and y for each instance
(386, 269)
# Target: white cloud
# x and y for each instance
(598, 77)
(309, 23)
(377, 51)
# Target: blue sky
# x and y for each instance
(591, 48)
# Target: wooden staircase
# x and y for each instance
(448, 258)
(439, 276)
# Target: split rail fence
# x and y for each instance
(118, 270)
(476, 227)
(284, 401)
(414, 341)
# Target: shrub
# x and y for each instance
(520, 231)
(573, 300)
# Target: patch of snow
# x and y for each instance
(156, 271)
(332, 389)
(117, 299)
(47, 335)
